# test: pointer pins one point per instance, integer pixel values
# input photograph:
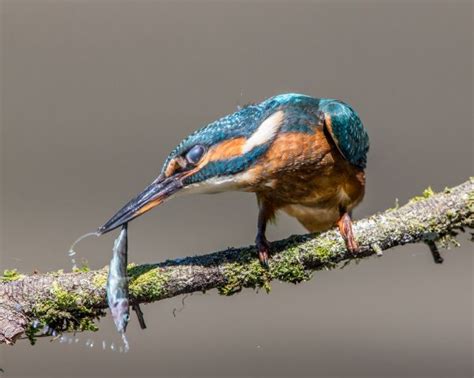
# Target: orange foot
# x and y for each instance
(345, 228)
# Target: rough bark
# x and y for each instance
(58, 302)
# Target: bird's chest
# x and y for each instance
(325, 182)
(320, 188)
(318, 204)
(308, 178)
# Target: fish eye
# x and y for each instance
(195, 154)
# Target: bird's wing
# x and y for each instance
(347, 131)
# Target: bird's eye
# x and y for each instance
(195, 154)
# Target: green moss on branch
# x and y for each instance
(10, 275)
(62, 311)
(69, 302)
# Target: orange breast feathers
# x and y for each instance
(306, 169)
(291, 152)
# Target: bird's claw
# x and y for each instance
(263, 257)
(352, 245)
(345, 228)
(263, 248)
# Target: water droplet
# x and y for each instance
(126, 346)
(112, 346)
(104, 345)
(71, 251)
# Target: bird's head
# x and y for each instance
(212, 159)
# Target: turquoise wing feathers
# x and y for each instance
(347, 130)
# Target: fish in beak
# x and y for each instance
(156, 193)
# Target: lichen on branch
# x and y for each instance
(67, 302)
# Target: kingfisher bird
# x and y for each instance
(299, 154)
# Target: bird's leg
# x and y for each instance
(345, 228)
(263, 246)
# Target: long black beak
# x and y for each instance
(156, 193)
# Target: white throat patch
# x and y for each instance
(214, 185)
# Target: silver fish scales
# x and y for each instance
(117, 284)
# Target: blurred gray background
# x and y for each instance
(96, 93)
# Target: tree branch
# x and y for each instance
(64, 302)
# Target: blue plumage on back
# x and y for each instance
(242, 123)
(301, 114)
